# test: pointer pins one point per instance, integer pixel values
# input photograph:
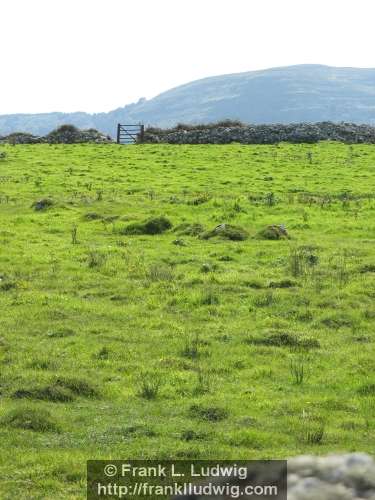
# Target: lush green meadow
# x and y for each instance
(174, 346)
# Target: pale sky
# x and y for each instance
(97, 55)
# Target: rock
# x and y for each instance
(69, 134)
(66, 134)
(336, 477)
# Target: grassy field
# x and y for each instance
(118, 345)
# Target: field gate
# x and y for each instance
(130, 134)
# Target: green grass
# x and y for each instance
(170, 345)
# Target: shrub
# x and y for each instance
(43, 204)
(273, 232)
(33, 419)
(226, 231)
(156, 225)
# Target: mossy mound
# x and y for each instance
(61, 390)
(227, 232)
(189, 229)
(156, 225)
(273, 232)
(33, 419)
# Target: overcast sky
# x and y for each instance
(97, 55)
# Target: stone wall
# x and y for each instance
(264, 134)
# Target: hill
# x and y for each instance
(302, 93)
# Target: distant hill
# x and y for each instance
(303, 93)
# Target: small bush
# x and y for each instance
(156, 225)
(226, 231)
(273, 232)
(30, 419)
(43, 204)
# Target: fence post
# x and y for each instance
(118, 133)
(142, 134)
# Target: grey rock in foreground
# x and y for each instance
(335, 477)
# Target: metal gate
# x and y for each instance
(130, 134)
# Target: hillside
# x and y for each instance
(304, 93)
(173, 301)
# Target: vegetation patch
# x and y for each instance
(156, 225)
(209, 413)
(273, 232)
(34, 419)
(43, 204)
(189, 229)
(227, 232)
(283, 339)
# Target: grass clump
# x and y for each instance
(78, 386)
(227, 232)
(34, 419)
(61, 390)
(155, 225)
(148, 386)
(282, 284)
(273, 232)
(209, 413)
(43, 204)
(189, 229)
(283, 339)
